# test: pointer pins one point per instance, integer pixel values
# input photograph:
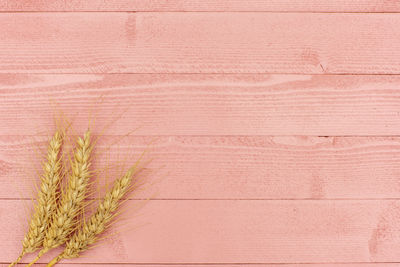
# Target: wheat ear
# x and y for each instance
(88, 234)
(46, 198)
(64, 220)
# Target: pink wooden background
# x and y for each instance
(276, 124)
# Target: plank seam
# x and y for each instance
(219, 263)
(237, 199)
(219, 135)
(200, 11)
(203, 73)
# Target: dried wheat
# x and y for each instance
(64, 220)
(89, 233)
(46, 198)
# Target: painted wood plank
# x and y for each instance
(204, 5)
(305, 43)
(234, 167)
(239, 231)
(166, 104)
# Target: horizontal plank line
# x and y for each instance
(216, 135)
(200, 73)
(202, 11)
(218, 263)
(238, 199)
(207, 73)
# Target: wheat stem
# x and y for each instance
(41, 253)
(18, 259)
(55, 261)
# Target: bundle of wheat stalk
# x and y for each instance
(57, 219)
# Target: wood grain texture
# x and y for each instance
(204, 5)
(231, 167)
(271, 143)
(321, 105)
(304, 43)
(213, 231)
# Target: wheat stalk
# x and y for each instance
(46, 198)
(89, 233)
(64, 220)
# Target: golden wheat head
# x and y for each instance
(89, 233)
(46, 198)
(64, 219)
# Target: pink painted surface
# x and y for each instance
(241, 231)
(199, 42)
(204, 104)
(234, 167)
(271, 146)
